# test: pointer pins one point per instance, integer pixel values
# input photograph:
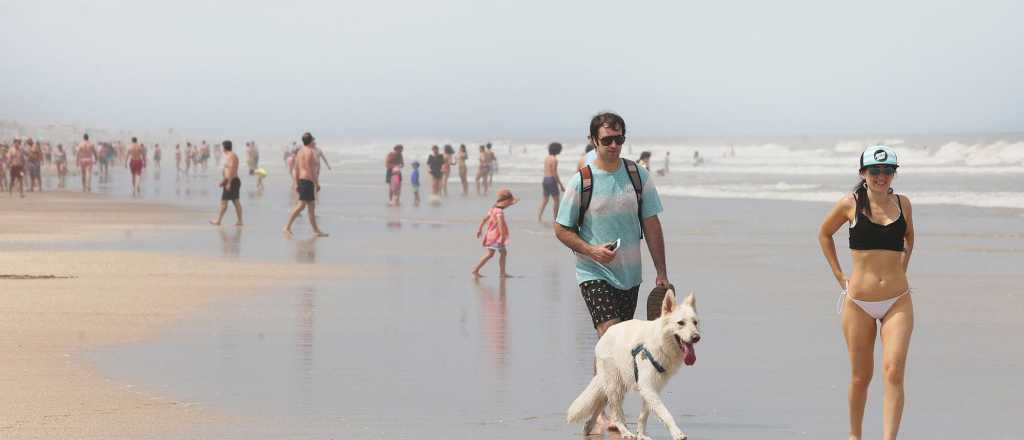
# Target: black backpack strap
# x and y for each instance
(638, 187)
(586, 192)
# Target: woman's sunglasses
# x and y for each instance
(608, 140)
(887, 170)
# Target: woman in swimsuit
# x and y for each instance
(461, 158)
(881, 241)
(483, 170)
(446, 168)
(61, 160)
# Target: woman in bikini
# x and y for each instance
(881, 241)
(483, 171)
(461, 158)
(446, 168)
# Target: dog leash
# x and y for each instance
(636, 369)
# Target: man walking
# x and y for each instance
(620, 207)
(231, 184)
(306, 173)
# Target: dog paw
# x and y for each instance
(627, 435)
(679, 436)
(640, 436)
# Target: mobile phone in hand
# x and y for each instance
(613, 245)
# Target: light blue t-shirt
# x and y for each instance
(611, 216)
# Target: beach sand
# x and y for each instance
(99, 298)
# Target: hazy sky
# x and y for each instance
(525, 68)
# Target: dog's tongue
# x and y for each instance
(689, 356)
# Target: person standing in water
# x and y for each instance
(551, 185)
(136, 161)
(61, 161)
(877, 293)
(231, 184)
(16, 162)
(483, 171)
(306, 175)
(461, 159)
(86, 156)
(446, 168)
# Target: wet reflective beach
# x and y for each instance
(414, 347)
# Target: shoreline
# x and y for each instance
(107, 297)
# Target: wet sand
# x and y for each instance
(420, 349)
(426, 351)
(100, 297)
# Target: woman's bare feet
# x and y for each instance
(215, 223)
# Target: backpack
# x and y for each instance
(587, 192)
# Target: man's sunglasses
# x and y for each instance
(887, 170)
(608, 140)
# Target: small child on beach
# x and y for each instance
(496, 238)
(414, 179)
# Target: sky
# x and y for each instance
(515, 69)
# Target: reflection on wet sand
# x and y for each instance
(230, 241)
(305, 323)
(305, 250)
(493, 318)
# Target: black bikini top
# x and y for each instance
(866, 235)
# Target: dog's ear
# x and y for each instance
(691, 301)
(669, 303)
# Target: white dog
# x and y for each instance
(642, 356)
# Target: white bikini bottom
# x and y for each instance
(876, 309)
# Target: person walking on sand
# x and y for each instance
(496, 238)
(85, 157)
(136, 161)
(551, 186)
(306, 174)
(231, 185)
(877, 293)
(461, 160)
(605, 233)
(16, 162)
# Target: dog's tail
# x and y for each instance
(591, 400)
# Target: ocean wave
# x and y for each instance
(803, 193)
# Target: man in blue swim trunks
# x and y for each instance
(552, 184)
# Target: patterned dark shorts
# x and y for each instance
(606, 303)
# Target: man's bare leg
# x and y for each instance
(220, 216)
(238, 212)
(312, 220)
(295, 214)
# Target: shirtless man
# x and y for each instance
(136, 161)
(85, 156)
(231, 184)
(552, 184)
(306, 172)
(16, 161)
(35, 165)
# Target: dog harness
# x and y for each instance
(643, 351)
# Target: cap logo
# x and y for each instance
(881, 155)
